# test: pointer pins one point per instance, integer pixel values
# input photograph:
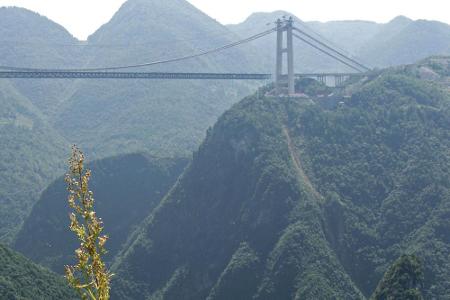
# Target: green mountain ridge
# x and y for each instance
(403, 280)
(20, 279)
(126, 189)
(303, 200)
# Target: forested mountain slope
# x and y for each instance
(31, 156)
(22, 279)
(126, 189)
(403, 280)
(305, 198)
(234, 220)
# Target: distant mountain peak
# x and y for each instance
(17, 9)
(19, 23)
(273, 13)
(157, 4)
(258, 16)
(171, 17)
(401, 20)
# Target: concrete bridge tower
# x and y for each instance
(285, 83)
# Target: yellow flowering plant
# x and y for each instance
(89, 276)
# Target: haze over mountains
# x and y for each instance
(401, 41)
(310, 198)
(113, 117)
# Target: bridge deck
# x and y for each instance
(151, 75)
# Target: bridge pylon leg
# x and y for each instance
(279, 66)
(290, 58)
(281, 79)
(338, 80)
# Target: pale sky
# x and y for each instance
(83, 17)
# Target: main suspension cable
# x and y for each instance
(158, 62)
(332, 49)
(328, 53)
(309, 30)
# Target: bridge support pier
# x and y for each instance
(322, 78)
(338, 80)
(285, 83)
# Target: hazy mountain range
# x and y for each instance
(168, 118)
(401, 41)
(287, 199)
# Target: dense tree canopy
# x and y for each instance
(20, 279)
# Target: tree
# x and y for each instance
(402, 281)
(89, 276)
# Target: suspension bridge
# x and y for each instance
(284, 83)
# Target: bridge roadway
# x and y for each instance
(155, 75)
